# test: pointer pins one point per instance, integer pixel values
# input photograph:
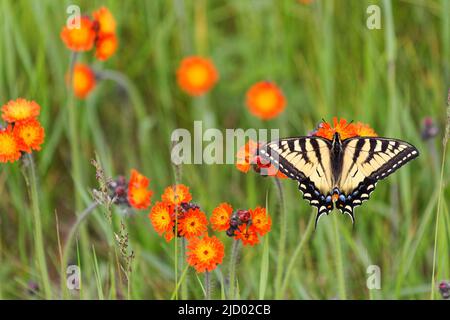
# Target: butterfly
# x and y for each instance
(340, 173)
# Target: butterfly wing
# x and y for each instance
(306, 160)
(365, 162)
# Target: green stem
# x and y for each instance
(31, 181)
(207, 285)
(438, 211)
(297, 251)
(339, 263)
(73, 231)
(233, 262)
(184, 292)
(282, 241)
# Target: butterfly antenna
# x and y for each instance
(348, 124)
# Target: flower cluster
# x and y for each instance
(98, 30)
(133, 193)
(244, 225)
(247, 157)
(345, 129)
(23, 132)
(176, 214)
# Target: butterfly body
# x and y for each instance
(337, 173)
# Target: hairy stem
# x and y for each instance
(282, 241)
(207, 285)
(233, 262)
(29, 173)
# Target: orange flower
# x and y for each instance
(346, 130)
(176, 194)
(20, 110)
(30, 133)
(105, 20)
(364, 130)
(106, 46)
(261, 221)
(196, 75)
(79, 39)
(161, 217)
(247, 234)
(169, 235)
(9, 146)
(83, 80)
(245, 156)
(192, 224)
(138, 195)
(205, 254)
(220, 218)
(265, 100)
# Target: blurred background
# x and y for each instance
(326, 62)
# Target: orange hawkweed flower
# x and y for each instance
(364, 130)
(246, 158)
(261, 221)
(176, 194)
(220, 218)
(105, 20)
(206, 253)
(79, 39)
(196, 75)
(30, 133)
(138, 195)
(265, 100)
(247, 234)
(169, 235)
(20, 110)
(246, 155)
(345, 129)
(106, 46)
(161, 217)
(9, 146)
(83, 80)
(192, 224)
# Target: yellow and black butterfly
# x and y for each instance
(341, 173)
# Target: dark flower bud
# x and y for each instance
(119, 191)
(230, 232)
(429, 129)
(186, 206)
(444, 289)
(243, 215)
(234, 220)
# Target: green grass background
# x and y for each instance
(327, 63)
